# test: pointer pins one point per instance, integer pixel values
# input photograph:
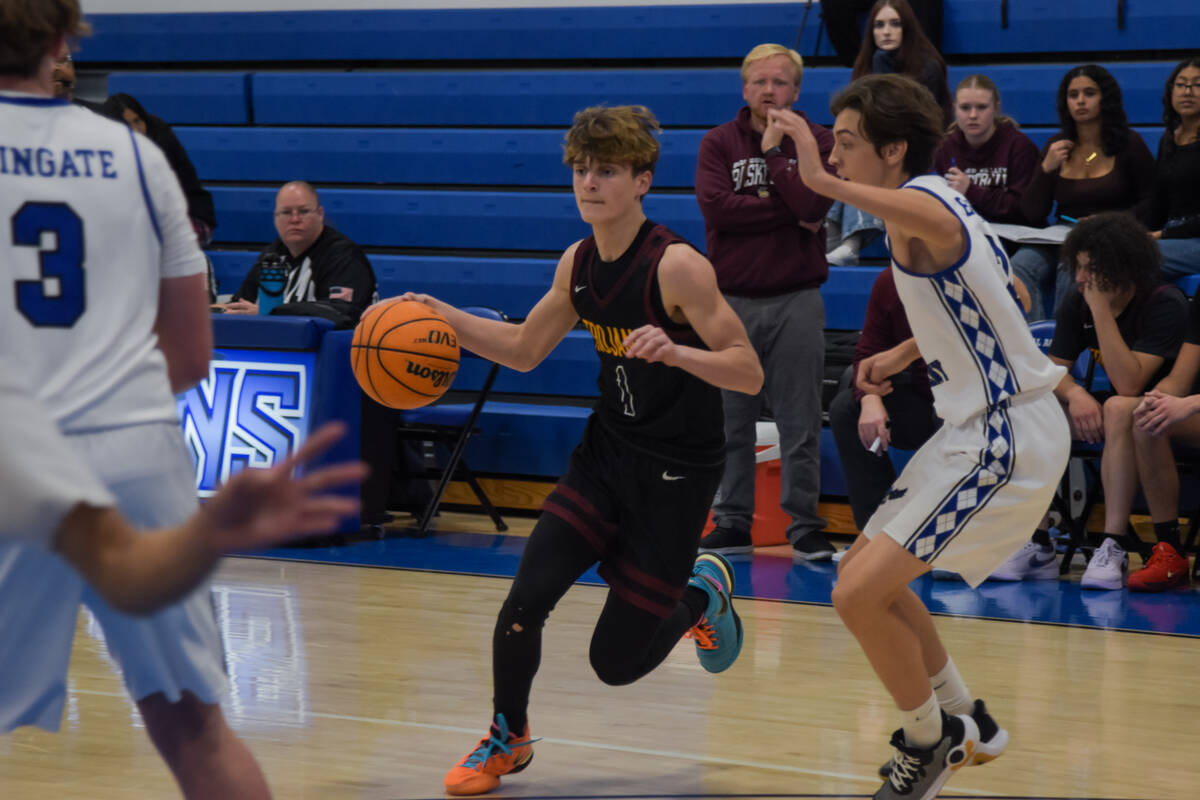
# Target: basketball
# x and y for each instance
(404, 354)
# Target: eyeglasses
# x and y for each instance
(286, 213)
(1183, 86)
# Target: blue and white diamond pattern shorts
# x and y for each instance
(973, 494)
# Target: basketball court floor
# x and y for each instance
(364, 672)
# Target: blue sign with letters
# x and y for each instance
(252, 410)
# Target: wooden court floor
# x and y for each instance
(352, 682)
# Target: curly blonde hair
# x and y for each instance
(613, 135)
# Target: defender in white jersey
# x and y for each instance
(110, 319)
(972, 494)
(52, 500)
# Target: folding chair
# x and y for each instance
(451, 425)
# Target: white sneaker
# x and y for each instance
(1033, 562)
(1109, 567)
(842, 255)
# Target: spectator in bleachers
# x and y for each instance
(1095, 163)
(1172, 212)
(1133, 323)
(893, 42)
(897, 44)
(323, 265)
(1166, 414)
(865, 424)
(125, 108)
(985, 156)
(763, 230)
(63, 80)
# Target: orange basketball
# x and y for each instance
(404, 354)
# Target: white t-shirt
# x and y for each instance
(967, 322)
(92, 219)
(41, 477)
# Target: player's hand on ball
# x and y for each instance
(650, 343)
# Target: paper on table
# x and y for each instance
(1055, 234)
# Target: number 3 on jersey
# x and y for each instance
(57, 298)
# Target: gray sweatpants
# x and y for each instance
(787, 332)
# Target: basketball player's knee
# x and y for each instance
(518, 616)
(613, 667)
(850, 600)
(182, 729)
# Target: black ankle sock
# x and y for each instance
(1168, 532)
(696, 600)
(1042, 537)
(515, 721)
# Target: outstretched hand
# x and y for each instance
(264, 507)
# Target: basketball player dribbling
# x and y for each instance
(638, 488)
(970, 496)
(111, 318)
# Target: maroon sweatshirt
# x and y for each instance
(752, 207)
(885, 325)
(999, 170)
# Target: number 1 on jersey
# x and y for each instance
(56, 298)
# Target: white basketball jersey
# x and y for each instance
(967, 322)
(92, 219)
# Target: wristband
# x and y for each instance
(773, 151)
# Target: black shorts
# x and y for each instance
(642, 515)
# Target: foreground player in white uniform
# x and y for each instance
(111, 318)
(974, 491)
(52, 500)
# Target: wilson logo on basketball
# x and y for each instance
(438, 377)
(441, 337)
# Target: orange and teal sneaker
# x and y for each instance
(718, 634)
(501, 752)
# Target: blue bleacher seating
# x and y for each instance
(439, 131)
(208, 98)
(449, 219)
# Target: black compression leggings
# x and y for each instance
(627, 643)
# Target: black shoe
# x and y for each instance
(918, 773)
(992, 739)
(812, 546)
(727, 542)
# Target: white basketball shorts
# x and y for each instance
(148, 470)
(974, 493)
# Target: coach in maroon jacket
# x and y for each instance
(765, 239)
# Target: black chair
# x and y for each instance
(449, 426)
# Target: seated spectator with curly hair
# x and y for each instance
(1120, 310)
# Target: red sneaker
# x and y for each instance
(501, 752)
(1166, 569)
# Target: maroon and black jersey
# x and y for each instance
(662, 410)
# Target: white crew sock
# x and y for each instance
(923, 725)
(951, 691)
